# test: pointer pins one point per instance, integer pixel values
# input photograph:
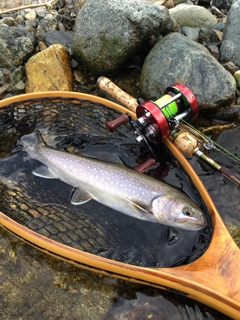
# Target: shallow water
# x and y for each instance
(43, 205)
(34, 285)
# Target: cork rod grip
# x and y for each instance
(118, 94)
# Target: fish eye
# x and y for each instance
(188, 211)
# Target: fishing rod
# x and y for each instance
(167, 117)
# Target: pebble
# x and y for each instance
(237, 78)
(192, 16)
(31, 15)
(230, 66)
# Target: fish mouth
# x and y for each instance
(191, 221)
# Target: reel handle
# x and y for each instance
(150, 162)
(115, 123)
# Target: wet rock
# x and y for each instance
(108, 33)
(177, 59)
(192, 16)
(16, 46)
(49, 70)
(230, 47)
(59, 37)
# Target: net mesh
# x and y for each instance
(79, 125)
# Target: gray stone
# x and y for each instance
(59, 37)
(18, 88)
(189, 32)
(48, 23)
(222, 4)
(192, 16)
(16, 46)
(230, 48)
(107, 33)
(10, 21)
(17, 75)
(41, 12)
(230, 66)
(177, 59)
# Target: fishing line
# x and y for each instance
(209, 143)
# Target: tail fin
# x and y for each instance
(31, 139)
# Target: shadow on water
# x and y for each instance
(54, 290)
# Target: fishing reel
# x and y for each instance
(156, 120)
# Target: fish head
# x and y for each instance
(178, 212)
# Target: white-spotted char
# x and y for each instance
(116, 186)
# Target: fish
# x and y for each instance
(114, 185)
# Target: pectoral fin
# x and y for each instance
(44, 172)
(140, 206)
(80, 196)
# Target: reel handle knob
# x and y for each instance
(150, 162)
(115, 123)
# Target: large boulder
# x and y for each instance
(107, 33)
(230, 48)
(177, 59)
